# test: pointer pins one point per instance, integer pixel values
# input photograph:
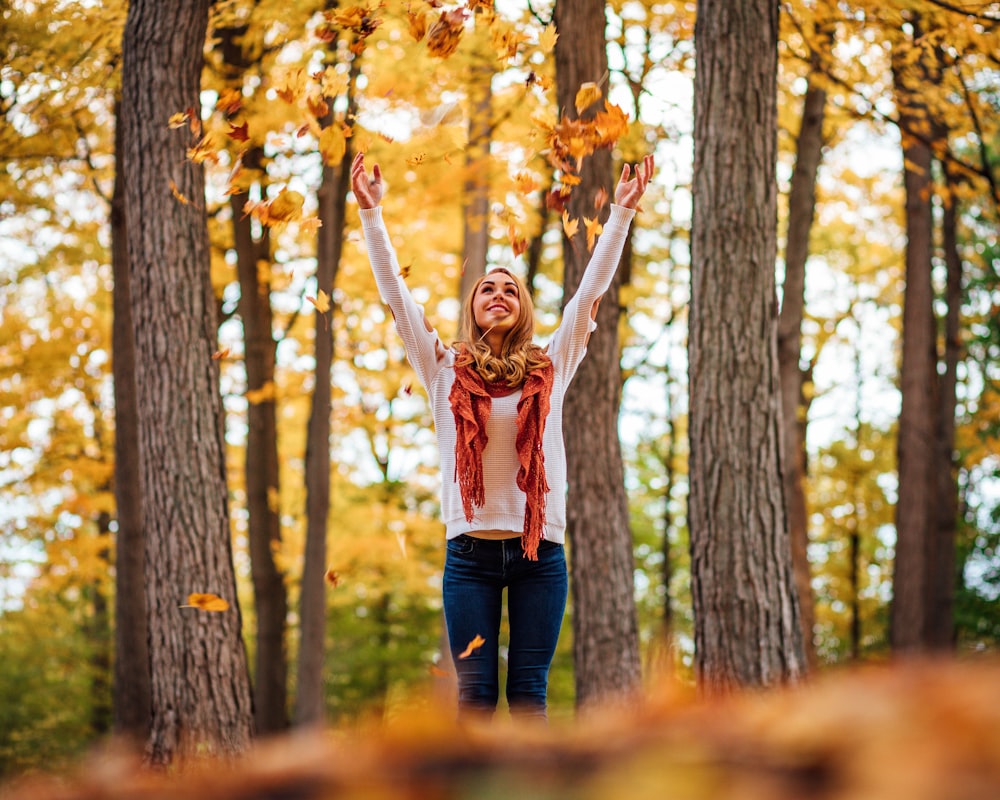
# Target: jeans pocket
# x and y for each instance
(461, 545)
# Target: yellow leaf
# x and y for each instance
(333, 82)
(570, 226)
(206, 602)
(526, 182)
(417, 21)
(273, 497)
(287, 206)
(588, 94)
(261, 395)
(332, 145)
(321, 301)
(547, 38)
(477, 642)
(178, 120)
(218, 355)
(594, 229)
(416, 160)
(178, 195)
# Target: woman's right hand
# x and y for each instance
(368, 190)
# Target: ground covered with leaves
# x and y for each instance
(915, 731)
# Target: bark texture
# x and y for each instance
(917, 442)
(309, 699)
(747, 629)
(130, 690)
(200, 686)
(605, 630)
(261, 456)
(794, 405)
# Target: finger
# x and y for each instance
(625, 171)
(377, 174)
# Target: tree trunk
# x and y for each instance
(747, 629)
(801, 209)
(131, 692)
(476, 197)
(916, 448)
(200, 686)
(261, 457)
(605, 629)
(941, 578)
(309, 699)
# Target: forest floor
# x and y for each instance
(892, 732)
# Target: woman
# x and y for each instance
(497, 402)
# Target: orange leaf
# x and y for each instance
(525, 182)
(594, 229)
(570, 226)
(547, 38)
(230, 101)
(517, 242)
(333, 578)
(601, 198)
(178, 196)
(218, 355)
(477, 642)
(417, 21)
(445, 34)
(178, 120)
(206, 602)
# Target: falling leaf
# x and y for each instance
(310, 225)
(588, 94)
(401, 541)
(218, 355)
(610, 125)
(437, 672)
(333, 82)
(206, 602)
(518, 243)
(333, 578)
(505, 42)
(570, 226)
(404, 272)
(178, 120)
(593, 228)
(445, 34)
(287, 206)
(408, 389)
(477, 642)
(273, 499)
(547, 38)
(321, 301)
(262, 395)
(239, 133)
(178, 196)
(417, 21)
(230, 101)
(526, 182)
(600, 198)
(317, 106)
(417, 160)
(203, 151)
(332, 145)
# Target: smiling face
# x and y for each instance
(496, 304)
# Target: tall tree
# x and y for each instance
(746, 609)
(801, 212)
(130, 690)
(916, 447)
(332, 198)
(200, 683)
(605, 628)
(253, 261)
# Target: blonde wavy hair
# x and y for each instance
(519, 354)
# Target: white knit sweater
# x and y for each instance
(434, 365)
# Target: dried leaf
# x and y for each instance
(230, 101)
(206, 602)
(588, 94)
(518, 243)
(417, 21)
(264, 394)
(220, 354)
(178, 196)
(477, 642)
(525, 182)
(333, 578)
(600, 198)
(416, 160)
(333, 82)
(593, 228)
(445, 34)
(287, 206)
(178, 120)
(239, 133)
(570, 226)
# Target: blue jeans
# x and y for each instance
(475, 574)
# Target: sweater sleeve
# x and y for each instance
(569, 343)
(423, 346)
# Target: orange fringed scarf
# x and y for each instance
(471, 401)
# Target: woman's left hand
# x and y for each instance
(628, 192)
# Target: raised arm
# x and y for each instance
(423, 347)
(580, 314)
